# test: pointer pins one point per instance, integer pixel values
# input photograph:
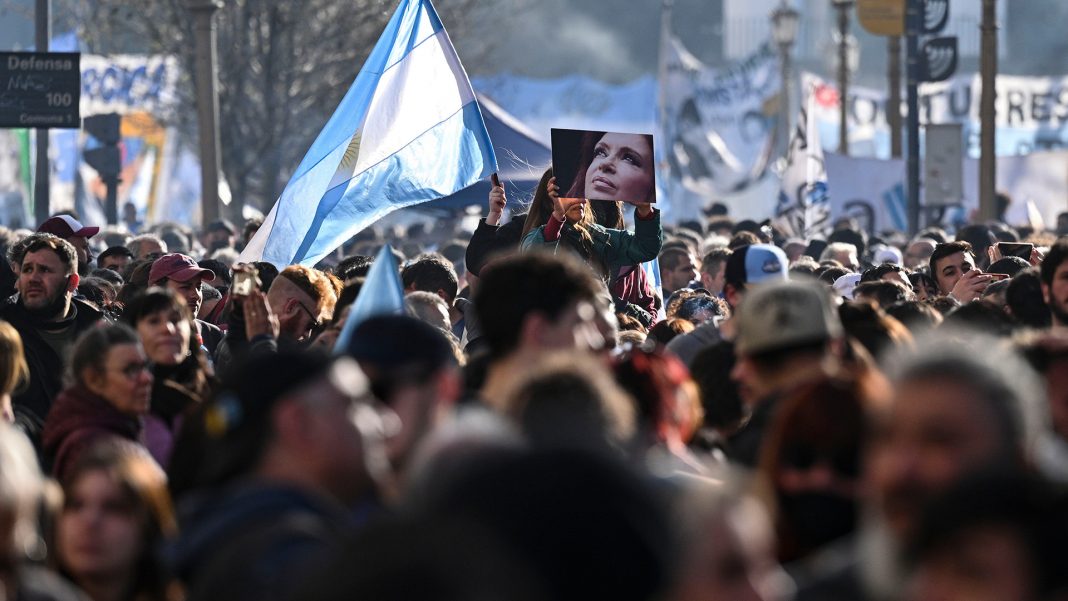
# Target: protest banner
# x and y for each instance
(1032, 112)
(873, 190)
(717, 125)
(128, 83)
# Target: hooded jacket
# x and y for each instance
(32, 404)
(79, 419)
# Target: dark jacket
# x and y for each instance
(32, 404)
(688, 345)
(252, 540)
(745, 445)
(210, 335)
(489, 240)
(79, 418)
(235, 346)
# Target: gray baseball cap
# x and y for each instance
(781, 315)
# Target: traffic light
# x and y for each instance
(105, 128)
(106, 158)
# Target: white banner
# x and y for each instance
(717, 125)
(1032, 112)
(126, 83)
(873, 190)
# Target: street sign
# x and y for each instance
(40, 89)
(938, 59)
(882, 17)
(935, 15)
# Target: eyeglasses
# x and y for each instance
(316, 325)
(133, 370)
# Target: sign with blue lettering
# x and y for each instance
(128, 83)
(40, 89)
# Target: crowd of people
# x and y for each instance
(852, 416)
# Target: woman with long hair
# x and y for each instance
(116, 513)
(14, 372)
(182, 377)
(108, 396)
(615, 164)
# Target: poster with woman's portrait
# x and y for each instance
(599, 165)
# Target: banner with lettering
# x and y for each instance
(873, 190)
(1032, 112)
(717, 125)
(126, 83)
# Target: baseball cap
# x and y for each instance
(887, 254)
(65, 226)
(178, 267)
(782, 315)
(845, 284)
(756, 263)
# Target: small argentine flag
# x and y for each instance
(408, 131)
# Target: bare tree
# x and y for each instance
(284, 66)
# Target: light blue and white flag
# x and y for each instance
(408, 131)
(382, 293)
(804, 208)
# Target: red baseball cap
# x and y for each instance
(178, 267)
(66, 226)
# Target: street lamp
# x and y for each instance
(206, 83)
(784, 25)
(843, 7)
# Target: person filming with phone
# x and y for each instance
(953, 267)
(288, 314)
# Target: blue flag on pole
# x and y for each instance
(408, 131)
(382, 294)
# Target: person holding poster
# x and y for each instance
(604, 249)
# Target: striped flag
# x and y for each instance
(408, 131)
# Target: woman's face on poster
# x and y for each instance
(622, 169)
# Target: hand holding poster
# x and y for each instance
(599, 165)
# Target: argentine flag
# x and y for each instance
(408, 131)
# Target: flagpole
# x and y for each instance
(666, 7)
(912, 51)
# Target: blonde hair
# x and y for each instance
(14, 372)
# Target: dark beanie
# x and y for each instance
(398, 341)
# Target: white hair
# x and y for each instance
(134, 244)
(837, 247)
(227, 256)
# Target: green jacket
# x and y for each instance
(616, 248)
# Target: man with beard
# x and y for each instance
(1055, 284)
(68, 228)
(48, 318)
(954, 411)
